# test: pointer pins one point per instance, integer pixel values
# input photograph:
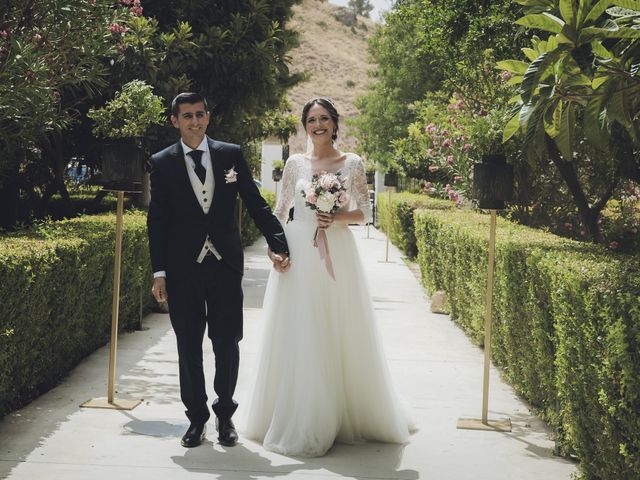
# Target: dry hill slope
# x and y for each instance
(335, 57)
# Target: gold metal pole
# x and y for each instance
(110, 401)
(115, 299)
(485, 423)
(488, 317)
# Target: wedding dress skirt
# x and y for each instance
(322, 375)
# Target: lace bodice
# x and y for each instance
(298, 171)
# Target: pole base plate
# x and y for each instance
(117, 404)
(491, 425)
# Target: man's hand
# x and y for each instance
(281, 261)
(159, 289)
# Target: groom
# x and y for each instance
(197, 257)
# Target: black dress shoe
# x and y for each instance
(227, 434)
(195, 435)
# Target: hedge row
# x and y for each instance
(56, 291)
(566, 328)
(249, 233)
(402, 208)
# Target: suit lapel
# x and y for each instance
(217, 162)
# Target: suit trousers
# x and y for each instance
(211, 297)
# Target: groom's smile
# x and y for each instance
(192, 121)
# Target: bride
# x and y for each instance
(322, 375)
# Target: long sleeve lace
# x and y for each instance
(286, 195)
(359, 189)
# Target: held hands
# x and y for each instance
(159, 289)
(325, 219)
(281, 261)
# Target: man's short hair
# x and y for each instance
(187, 97)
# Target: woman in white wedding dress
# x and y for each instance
(322, 375)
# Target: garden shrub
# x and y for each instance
(566, 327)
(56, 290)
(402, 207)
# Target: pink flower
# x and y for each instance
(457, 179)
(447, 188)
(37, 37)
(433, 168)
(428, 185)
(136, 11)
(445, 132)
(4, 34)
(429, 152)
(311, 197)
(450, 159)
(466, 147)
(568, 225)
(446, 143)
(431, 128)
(613, 245)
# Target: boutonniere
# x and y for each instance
(230, 175)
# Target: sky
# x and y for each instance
(378, 6)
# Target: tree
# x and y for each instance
(361, 7)
(580, 83)
(52, 61)
(426, 47)
(233, 52)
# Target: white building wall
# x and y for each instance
(271, 150)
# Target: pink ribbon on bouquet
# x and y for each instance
(320, 241)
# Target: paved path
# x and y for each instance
(433, 364)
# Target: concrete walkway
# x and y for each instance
(433, 364)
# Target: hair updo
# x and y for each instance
(328, 105)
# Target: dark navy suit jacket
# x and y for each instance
(177, 225)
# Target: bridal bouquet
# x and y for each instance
(326, 192)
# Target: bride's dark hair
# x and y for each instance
(328, 105)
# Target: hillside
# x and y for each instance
(335, 57)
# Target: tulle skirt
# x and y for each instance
(322, 375)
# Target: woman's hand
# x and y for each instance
(325, 219)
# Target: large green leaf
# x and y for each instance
(600, 51)
(596, 12)
(567, 10)
(542, 21)
(513, 66)
(630, 4)
(533, 144)
(535, 3)
(593, 121)
(535, 71)
(590, 34)
(553, 119)
(530, 53)
(511, 128)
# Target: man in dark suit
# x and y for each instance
(197, 257)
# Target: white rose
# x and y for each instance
(325, 202)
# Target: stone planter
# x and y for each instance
(276, 174)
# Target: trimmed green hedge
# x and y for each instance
(56, 291)
(249, 233)
(402, 208)
(566, 328)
